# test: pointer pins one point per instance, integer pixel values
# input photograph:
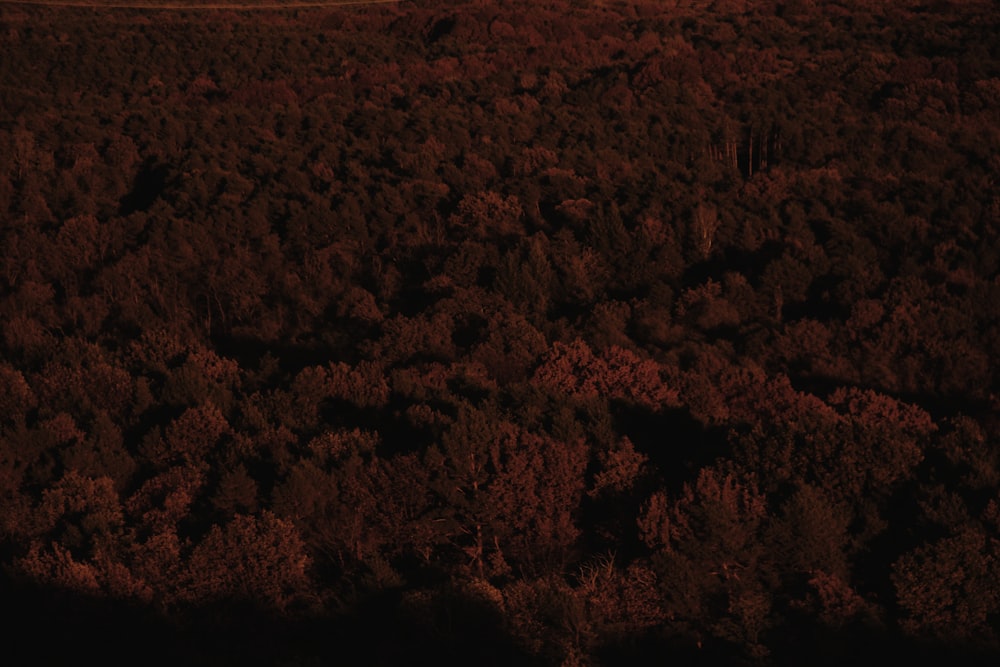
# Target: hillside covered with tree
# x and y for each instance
(501, 333)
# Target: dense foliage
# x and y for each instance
(546, 333)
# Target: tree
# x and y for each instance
(259, 559)
(510, 496)
(704, 225)
(576, 371)
(710, 559)
(357, 511)
(526, 278)
(16, 397)
(189, 440)
(948, 588)
(80, 541)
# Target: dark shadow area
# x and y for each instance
(677, 444)
(55, 628)
(939, 406)
(291, 358)
(750, 264)
(797, 644)
(50, 627)
(396, 434)
(146, 189)
(804, 641)
(819, 303)
(441, 28)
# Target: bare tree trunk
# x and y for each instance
(704, 224)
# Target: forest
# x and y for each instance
(524, 332)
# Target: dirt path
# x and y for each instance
(195, 6)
